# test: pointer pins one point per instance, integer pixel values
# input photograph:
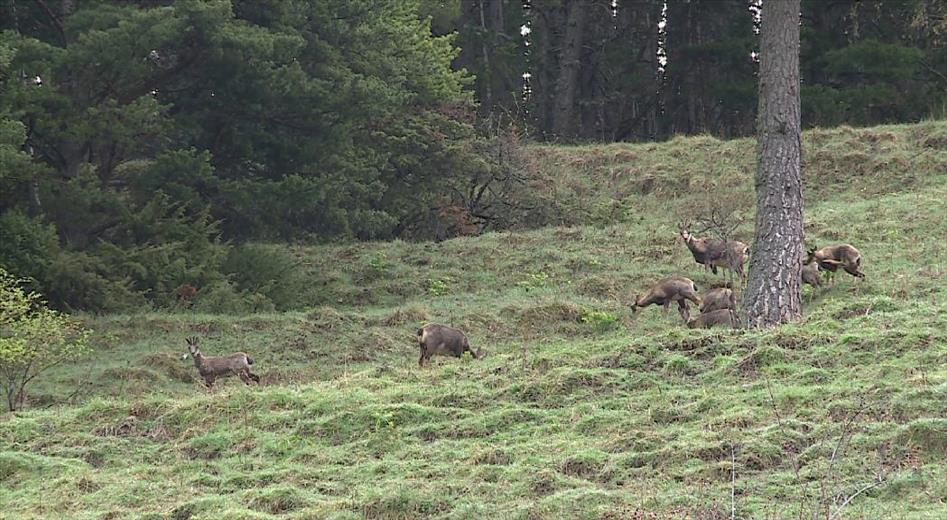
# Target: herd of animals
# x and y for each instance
(717, 306)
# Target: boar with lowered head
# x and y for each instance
(441, 340)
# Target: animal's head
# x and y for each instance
(634, 305)
(682, 228)
(192, 348)
(810, 255)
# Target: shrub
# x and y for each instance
(599, 320)
(267, 271)
(33, 338)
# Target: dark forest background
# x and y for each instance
(148, 148)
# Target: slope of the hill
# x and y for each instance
(580, 410)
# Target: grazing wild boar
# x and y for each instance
(441, 340)
(675, 289)
(716, 252)
(830, 258)
(706, 320)
(211, 368)
(718, 298)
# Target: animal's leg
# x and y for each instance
(683, 310)
(254, 377)
(244, 377)
(209, 382)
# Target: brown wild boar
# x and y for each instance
(706, 320)
(718, 298)
(716, 252)
(435, 339)
(830, 258)
(675, 289)
(810, 274)
(211, 368)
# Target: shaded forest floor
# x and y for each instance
(581, 409)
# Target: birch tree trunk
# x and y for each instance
(773, 291)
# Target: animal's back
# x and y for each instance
(718, 298)
(442, 338)
(678, 284)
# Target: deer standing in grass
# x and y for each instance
(434, 339)
(211, 368)
(675, 289)
(717, 252)
(830, 258)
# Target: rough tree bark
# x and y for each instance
(772, 295)
(569, 64)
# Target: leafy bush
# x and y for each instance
(599, 320)
(439, 286)
(33, 339)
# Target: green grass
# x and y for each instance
(581, 409)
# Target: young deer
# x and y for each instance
(810, 274)
(830, 258)
(434, 339)
(707, 320)
(675, 289)
(716, 252)
(718, 298)
(210, 368)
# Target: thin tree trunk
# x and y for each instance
(773, 292)
(569, 55)
(488, 90)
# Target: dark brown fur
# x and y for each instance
(211, 368)
(675, 289)
(435, 339)
(707, 320)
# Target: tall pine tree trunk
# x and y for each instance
(569, 64)
(772, 294)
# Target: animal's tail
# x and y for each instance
(249, 360)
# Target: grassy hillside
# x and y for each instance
(581, 409)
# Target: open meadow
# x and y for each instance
(580, 409)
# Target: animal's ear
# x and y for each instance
(682, 226)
